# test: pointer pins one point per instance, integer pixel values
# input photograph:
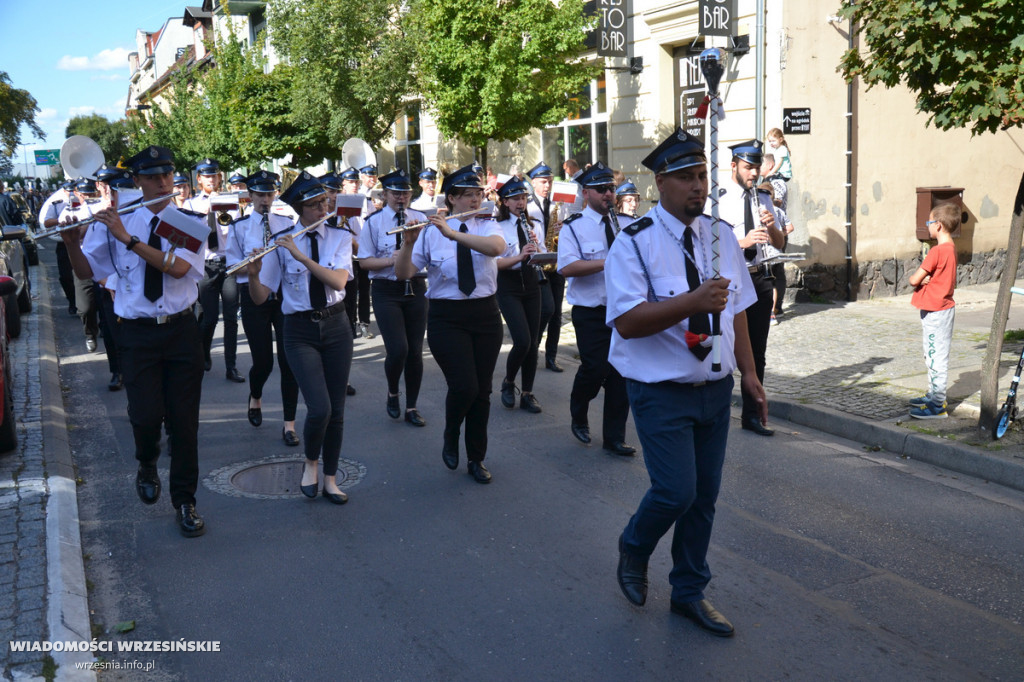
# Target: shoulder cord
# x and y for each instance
(643, 266)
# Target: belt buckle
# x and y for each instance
(698, 384)
(316, 315)
(161, 319)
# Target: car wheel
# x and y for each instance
(13, 316)
(25, 297)
(8, 429)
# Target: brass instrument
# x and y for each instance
(551, 231)
(272, 247)
(88, 221)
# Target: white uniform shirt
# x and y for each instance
(374, 241)
(730, 209)
(583, 239)
(51, 209)
(437, 254)
(247, 234)
(665, 356)
(108, 257)
(424, 203)
(535, 209)
(281, 270)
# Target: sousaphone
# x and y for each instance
(80, 157)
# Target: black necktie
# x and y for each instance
(609, 234)
(317, 293)
(153, 282)
(547, 210)
(698, 323)
(399, 221)
(464, 262)
(750, 253)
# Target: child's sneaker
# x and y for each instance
(774, 321)
(919, 402)
(931, 410)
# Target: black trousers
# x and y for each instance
(553, 324)
(465, 340)
(218, 286)
(352, 300)
(759, 322)
(402, 321)
(108, 326)
(263, 324)
(88, 306)
(65, 274)
(519, 299)
(363, 277)
(162, 367)
(594, 338)
(320, 355)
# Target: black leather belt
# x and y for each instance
(317, 315)
(153, 321)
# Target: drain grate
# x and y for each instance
(274, 478)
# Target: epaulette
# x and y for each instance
(133, 202)
(241, 218)
(332, 221)
(277, 234)
(571, 218)
(194, 214)
(623, 215)
(374, 213)
(711, 219)
(641, 224)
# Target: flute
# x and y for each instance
(252, 258)
(89, 221)
(414, 226)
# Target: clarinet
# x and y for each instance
(400, 213)
(524, 225)
(762, 249)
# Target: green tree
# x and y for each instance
(111, 136)
(496, 70)
(351, 67)
(965, 64)
(18, 107)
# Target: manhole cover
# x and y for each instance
(274, 477)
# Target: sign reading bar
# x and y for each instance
(47, 157)
(717, 17)
(796, 121)
(613, 27)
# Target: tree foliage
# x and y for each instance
(351, 65)
(496, 70)
(111, 136)
(963, 60)
(17, 107)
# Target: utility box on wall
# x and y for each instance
(930, 197)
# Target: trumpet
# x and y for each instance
(264, 251)
(414, 226)
(88, 221)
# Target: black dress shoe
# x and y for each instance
(705, 615)
(255, 414)
(479, 472)
(508, 394)
(147, 484)
(450, 457)
(115, 382)
(208, 365)
(349, 390)
(529, 403)
(552, 365)
(190, 523)
(309, 490)
(72, 310)
(290, 438)
(620, 448)
(233, 375)
(752, 424)
(394, 410)
(413, 417)
(582, 433)
(632, 575)
(336, 498)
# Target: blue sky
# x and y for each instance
(73, 57)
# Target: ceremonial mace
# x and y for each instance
(713, 67)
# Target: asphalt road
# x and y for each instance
(831, 561)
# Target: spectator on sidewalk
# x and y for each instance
(778, 269)
(781, 170)
(933, 284)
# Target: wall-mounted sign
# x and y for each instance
(796, 121)
(717, 17)
(613, 27)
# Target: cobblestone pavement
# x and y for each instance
(23, 499)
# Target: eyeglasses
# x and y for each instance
(603, 189)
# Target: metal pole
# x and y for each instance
(759, 57)
(713, 67)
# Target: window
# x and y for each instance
(584, 136)
(408, 149)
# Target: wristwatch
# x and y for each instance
(132, 242)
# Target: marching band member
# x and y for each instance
(311, 270)
(400, 305)
(49, 216)
(360, 303)
(540, 209)
(332, 185)
(217, 286)
(519, 294)
(464, 325)
(582, 246)
(428, 183)
(627, 200)
(183, 186)
(159, 342)
(89, 202)
(264, 323)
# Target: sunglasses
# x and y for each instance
(602, 189)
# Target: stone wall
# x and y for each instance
(876, 279)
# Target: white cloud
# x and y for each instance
(104, 60)
(46, 114)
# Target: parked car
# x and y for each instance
(15, 265)
(8, 427)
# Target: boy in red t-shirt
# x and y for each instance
(934, 282)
